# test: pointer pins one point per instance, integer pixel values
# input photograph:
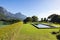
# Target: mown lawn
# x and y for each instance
(19, 31)
(29, 32)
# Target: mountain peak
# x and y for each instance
(19, 15)
(1, 7)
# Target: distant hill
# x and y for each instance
(5, 15)
(20, 16)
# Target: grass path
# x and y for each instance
(9, 32)
(17, 33)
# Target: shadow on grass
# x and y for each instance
(35, 26)
(58, 37)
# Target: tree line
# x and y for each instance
(31, 19)
(54, 18)
(34, 19)
(10, 21)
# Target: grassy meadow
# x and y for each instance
(20, 31)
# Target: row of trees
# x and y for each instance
(52, 18)
(34, 19)
(10, 21)
(44, 19)
(31, 19)
(55, 18)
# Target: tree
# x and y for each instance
(41, 19)
(45, 19)
(28, 19)
(54, 18)
(51, 16)
(34, 18)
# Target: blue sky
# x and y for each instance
(40, 8)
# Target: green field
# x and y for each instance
(19, 31)
(8, 32)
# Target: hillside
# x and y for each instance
(6, 15)
(19, 31)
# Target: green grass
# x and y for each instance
(8, 32)
(29, 32)
(19, 31)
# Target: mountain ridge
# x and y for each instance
(5, 15)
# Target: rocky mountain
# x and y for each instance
(5, 15)
(20, 16)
